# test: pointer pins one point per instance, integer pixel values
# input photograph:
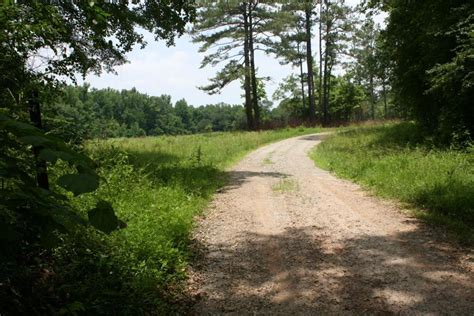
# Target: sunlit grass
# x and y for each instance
(285, 185)
(395, 162)
(157, 185)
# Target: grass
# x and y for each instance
(157, 185)
(395, 162)
(268, 159)
(285, 185)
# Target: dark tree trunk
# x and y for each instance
(320, 92)
(309, 63)
(326, 73)
(248, 97)
(301, 77)
(256, 108)
(35, 117)
(372, 97)
(384, 91)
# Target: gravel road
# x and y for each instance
(285, 237)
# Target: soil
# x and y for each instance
(285, 237)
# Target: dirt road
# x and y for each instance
(288, 238)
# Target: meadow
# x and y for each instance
(395, 161)
(157, 185)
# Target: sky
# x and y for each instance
(175, 71)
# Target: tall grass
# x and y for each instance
(156, 185)
(395, 161)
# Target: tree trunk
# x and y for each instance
(384, 91)
(309, 63)
(325, 78)
(35, 117)
(320, 92)
(248, 98)
(372, 97)
(301, 78)
(256, 109)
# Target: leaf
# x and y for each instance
(103, 217)
(35, 140)
(53, 155)
(7, 233)
(79, 183)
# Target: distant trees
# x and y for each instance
(84, 113)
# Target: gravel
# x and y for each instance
(320, 245)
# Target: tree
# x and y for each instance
(232, 32)
(334, 27)
(432, 75)
(43, 42)
(367, 66)
(295, 45)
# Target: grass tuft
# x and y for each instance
(285, 185)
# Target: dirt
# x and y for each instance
(319, 245)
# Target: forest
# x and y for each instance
(100, 188)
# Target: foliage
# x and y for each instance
(42, 45)
(230, 32)
(156, 185)
(430, 46)
(395, 161)
(83, 113)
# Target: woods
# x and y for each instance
(69, 218)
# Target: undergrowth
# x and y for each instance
(396, 161)
(156, 186)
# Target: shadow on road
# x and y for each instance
(407, 272)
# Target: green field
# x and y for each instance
(394, 161)
(156, 185)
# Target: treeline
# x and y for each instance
(85, 113)
(231, 32)
(418, 67)
(82, 112)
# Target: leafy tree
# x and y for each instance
(290, 96)
(347, 99)
(42, 44)
(431, 75)
(366, 64)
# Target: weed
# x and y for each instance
(285, 185)
(268, 159)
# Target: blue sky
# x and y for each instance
(175, 71)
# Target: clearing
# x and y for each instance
(286, 237)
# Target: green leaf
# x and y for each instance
(35, 140)
(79, 183)
(103, 217)
(7, 233)
(53, 155)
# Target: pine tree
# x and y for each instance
(231, 32)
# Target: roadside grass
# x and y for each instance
(285, 185)
(156, 186)
(394, 161)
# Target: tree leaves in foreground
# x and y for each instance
(43, 44)
(430, 44)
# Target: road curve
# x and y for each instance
(285, 237)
